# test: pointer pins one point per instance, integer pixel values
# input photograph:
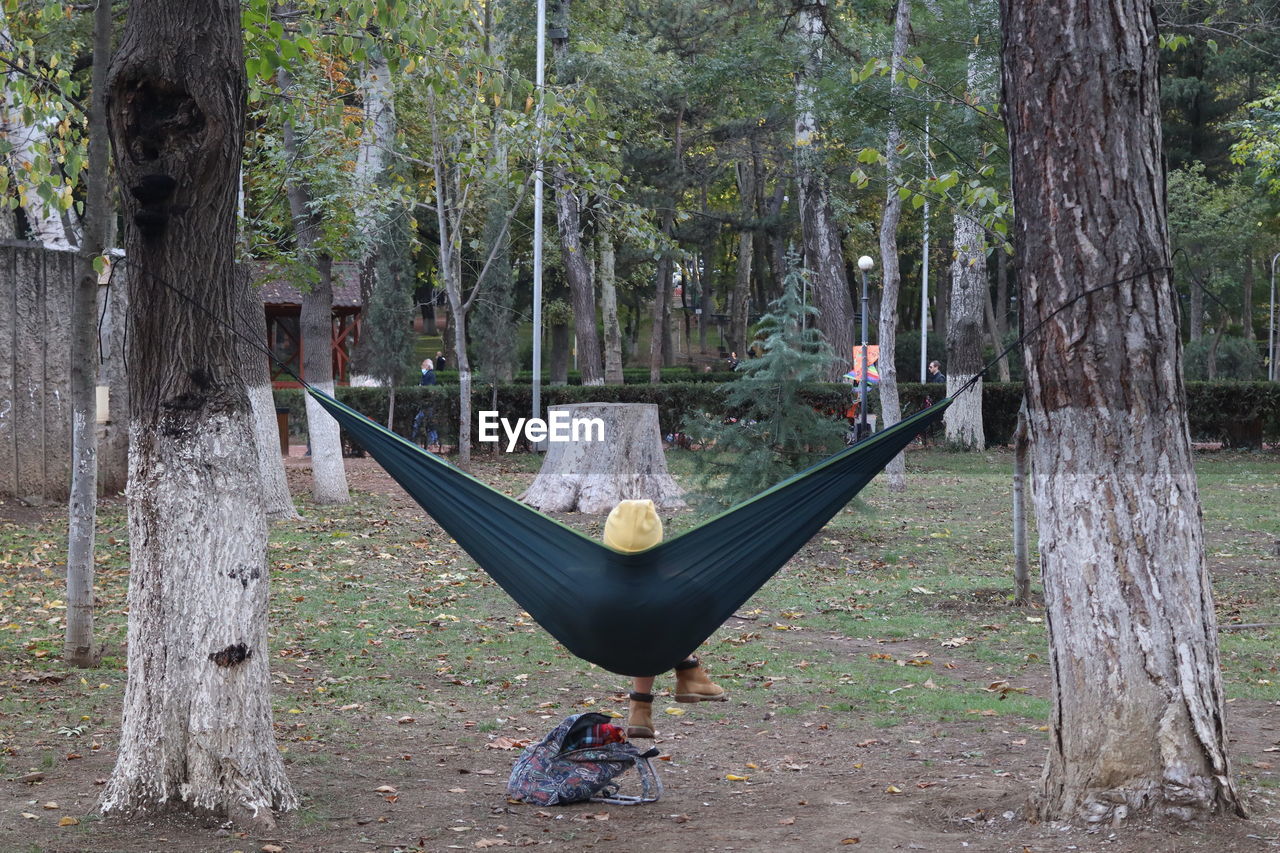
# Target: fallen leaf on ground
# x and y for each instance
(68, 821)
(851, 840)
(733, 777)
(893, 789)
(675, 712)
(507, 743)
(786, 821)
(492, 842)
(51, 805)
(385, 789)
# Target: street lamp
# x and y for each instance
(1271, 324)
(865, 264)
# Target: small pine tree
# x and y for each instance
(773, 431)
(387, 351)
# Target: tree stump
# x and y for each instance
(593, 476)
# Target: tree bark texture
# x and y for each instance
(593, 476)
(890, 407)
(578, 274)
(964, 335)
(1138, 718)
(77, 648)
(609, 309)
(823, 250)
(662, 294)
(197, 728)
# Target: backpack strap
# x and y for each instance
(650, 785)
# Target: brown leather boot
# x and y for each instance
(640, 715)
(693, 685)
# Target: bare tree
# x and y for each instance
(197, 729)
(1138, 715)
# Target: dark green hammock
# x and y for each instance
(633, 614)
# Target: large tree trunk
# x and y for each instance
(593, 476)
(1138, 716)
(609, 309)
(197, 709)
(578, 274)
(823, 251)
(77, 648)
(964, 335)
(890, 407)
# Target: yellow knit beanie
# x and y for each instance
(633, 526)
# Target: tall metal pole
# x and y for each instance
(864, 263)
(539, 118)
(1272, 373)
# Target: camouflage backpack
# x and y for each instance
(577, 762)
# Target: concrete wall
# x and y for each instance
(35, 376)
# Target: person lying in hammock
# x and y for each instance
(635, 526)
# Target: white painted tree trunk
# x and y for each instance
(964, 335)
(890, 407)
(593, 476)
(1138, 720)
(328, 476)
(197, 730)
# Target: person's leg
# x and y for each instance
(640, 708)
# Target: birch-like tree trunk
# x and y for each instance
(964, 335)
(890, 407)
(29, 155)
(77, 648)
(1138, 719)
(197, 728)
(277, 502)
(823, 250)
(609, 308)
(328, 474)
(966, 301)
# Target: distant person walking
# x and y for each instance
(935, 373)
(441, 361)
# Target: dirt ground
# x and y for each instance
(429, 782)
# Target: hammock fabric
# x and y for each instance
(633, 614)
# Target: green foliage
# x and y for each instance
(775, 431)
(1233, 358)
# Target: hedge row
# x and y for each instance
(1241, 414)
(630, 375)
